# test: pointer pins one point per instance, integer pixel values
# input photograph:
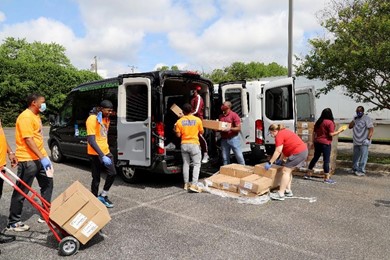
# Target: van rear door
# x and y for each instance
(134, 121)
(279, 106)
(305, 101)
(236, 93)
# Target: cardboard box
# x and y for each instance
(301, 131)
(306, 137)
(255, 184)
(177, 110)
(79, 212)
(215, 125)
(214, 181)
(229, 183)
(236, 170)
(274, 173)
(305, 125)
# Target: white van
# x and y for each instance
(260, 104)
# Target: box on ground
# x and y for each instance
(177, 110)
(236, 170)
(79, 212)
(274, 173)
(215, 125)
(255, 183)
(224, 182)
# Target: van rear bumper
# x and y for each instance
(259, 153)
(162, 167)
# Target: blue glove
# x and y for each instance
(106, 160)
(278, 162)
(45, 163)
(99, 117)
(267, 166)
(366, 142)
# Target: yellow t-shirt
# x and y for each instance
(189, 127)
(28, 124)
(100, 133)
(3, 147)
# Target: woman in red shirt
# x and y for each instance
(287, 145)
(324, 130)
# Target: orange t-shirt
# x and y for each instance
(28, 124)
(100, 132)
(189, 126)
(3, 147)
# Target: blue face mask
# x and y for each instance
(43, 107)
(359, 114)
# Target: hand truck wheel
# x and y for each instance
(69, 246)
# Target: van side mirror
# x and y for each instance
(52, 119)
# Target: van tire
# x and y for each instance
(56, 154)
(129, 174)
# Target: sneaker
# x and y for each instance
(186, 186)
(205, 158)
(195, 188)
(288, 193)
(329, 181)
(352, 171)
(106, 201)
(41, 220)
(276, 196)
(360, 173)
(18, 227)
(306, 177)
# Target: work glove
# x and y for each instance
(106, 160)
(267, 166)
(99, 117)
(278, 162)
(367, 142)
(46, 163)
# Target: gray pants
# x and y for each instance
(27, 171)
(191, 152)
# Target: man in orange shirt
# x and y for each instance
(4, 150)
(188, 127)
(32, 157)
(99, 151)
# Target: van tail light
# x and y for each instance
(259, 132)
(160, 136)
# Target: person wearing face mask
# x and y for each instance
(99, 151)
(229, 137)
(290, 148)
(197, 105)
(363, 129)
(33, 161)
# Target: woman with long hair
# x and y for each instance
(324, 130)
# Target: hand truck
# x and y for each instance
(68, 245)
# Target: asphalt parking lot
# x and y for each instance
(157, 219)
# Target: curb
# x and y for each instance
(371, 168)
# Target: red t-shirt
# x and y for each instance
(292, 143)
(197, 106)
(234, 119)
(322, 133)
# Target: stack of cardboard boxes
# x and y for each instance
(245, 180)
(305, 132)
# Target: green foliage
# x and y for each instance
(164, 68)
(26, 68)
(242, 71)
(356, 55)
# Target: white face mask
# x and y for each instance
(42, 107)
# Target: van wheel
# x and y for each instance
(129, 174)
(56, 153)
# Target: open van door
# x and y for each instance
(134, 122)
(305, 102)
(236, 93)
(278, 107)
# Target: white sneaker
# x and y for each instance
(360, 174)
(205, 158)
(41, 220)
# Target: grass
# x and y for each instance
(372, 158)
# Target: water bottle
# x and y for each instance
(76, 129)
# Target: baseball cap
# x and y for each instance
(106, 104)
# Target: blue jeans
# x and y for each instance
(325, 150)
(233, 143)
(360, 157)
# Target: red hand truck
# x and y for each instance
(68, 245)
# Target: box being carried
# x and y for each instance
(215, 125)
(177, 110)
(79, 212)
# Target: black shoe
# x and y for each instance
(6, 238)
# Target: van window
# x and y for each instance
(66, 113)
(234, 96)
(303, 106)
(136, 103)
(279, 104)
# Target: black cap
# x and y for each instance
(106, 104)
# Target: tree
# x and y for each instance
(35, 67)
(356, 55)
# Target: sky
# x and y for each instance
(138, 36)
